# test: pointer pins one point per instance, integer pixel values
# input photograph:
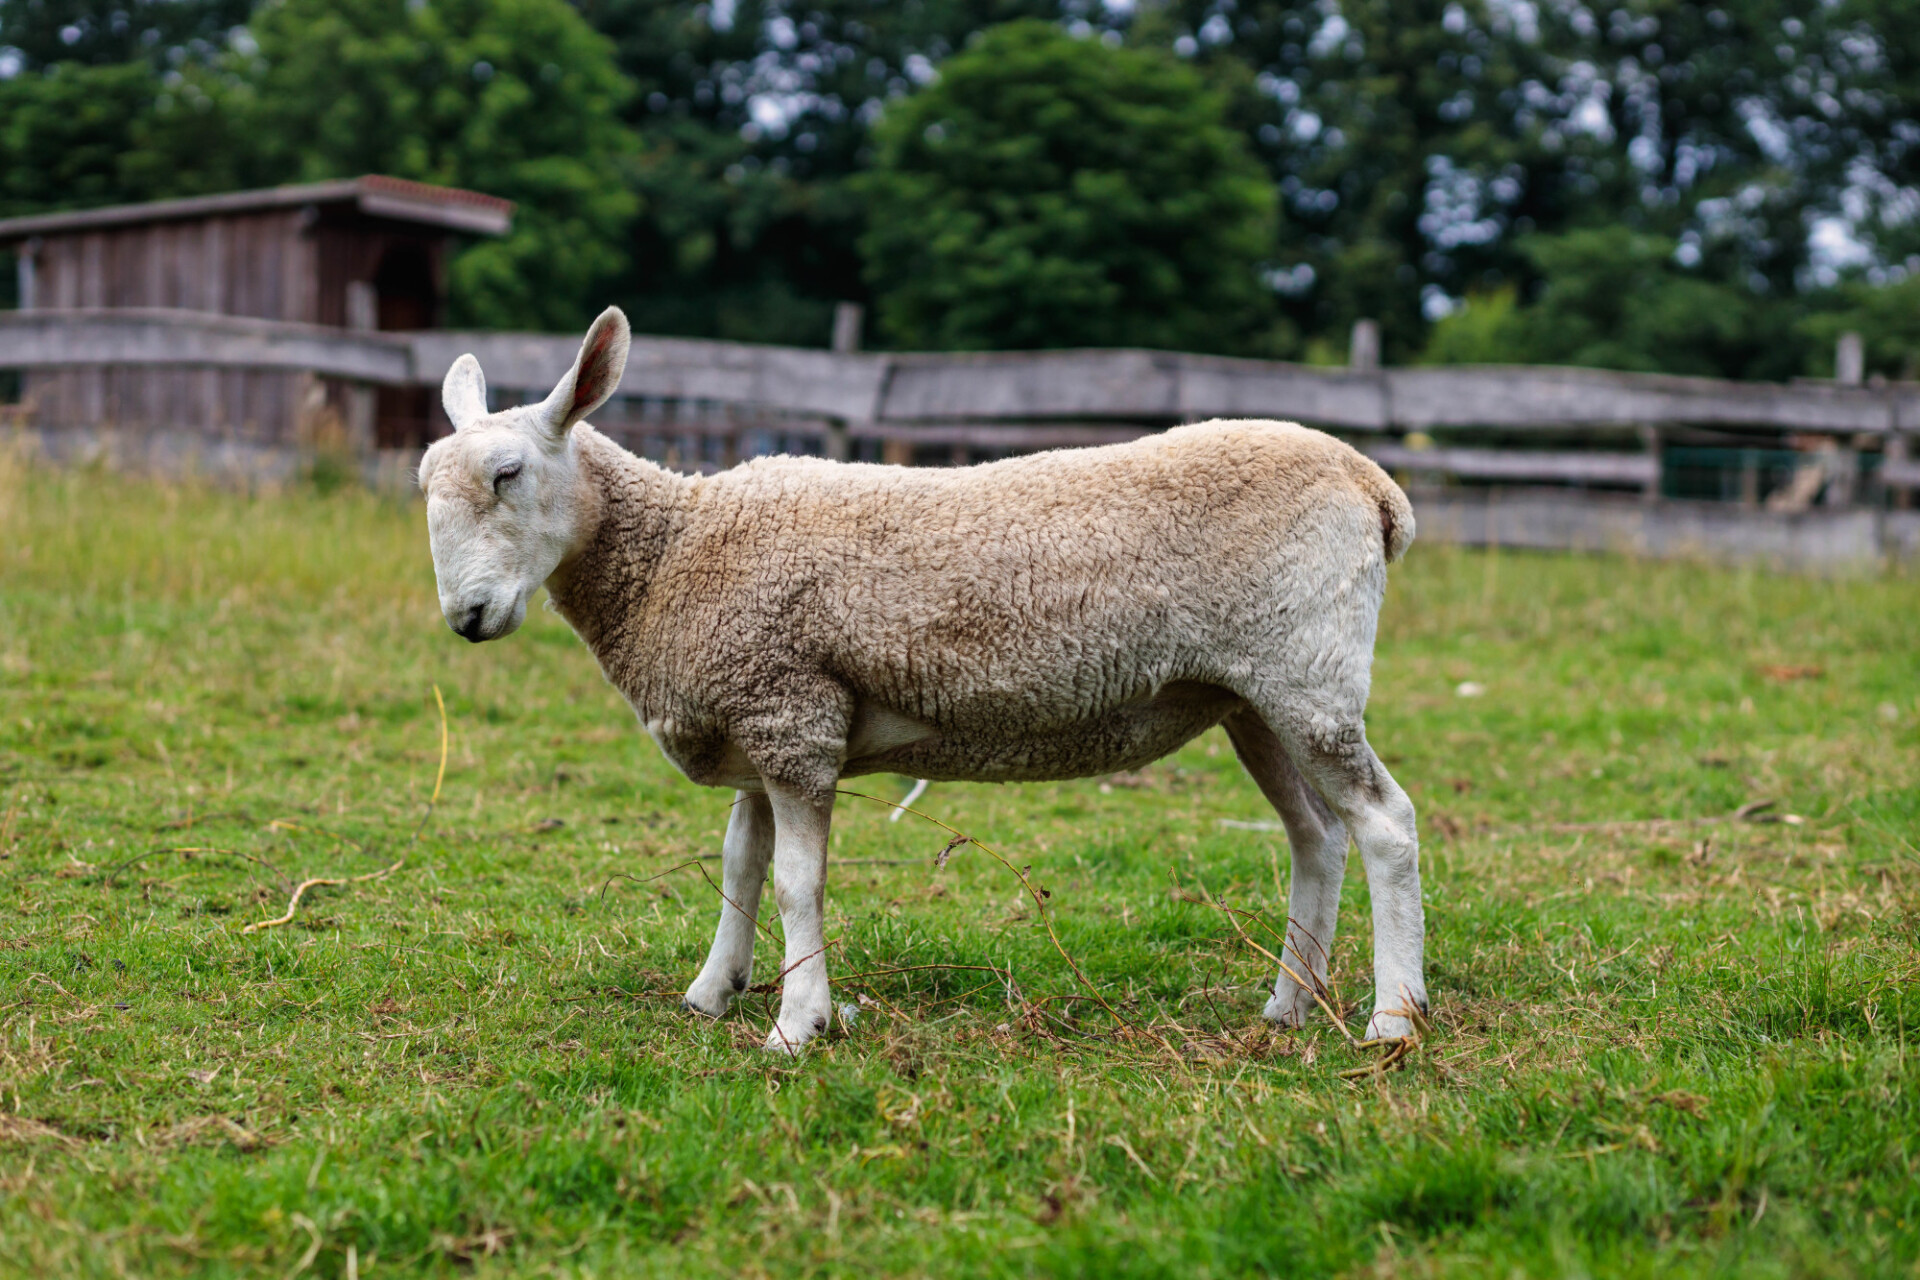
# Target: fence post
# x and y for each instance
(26, 261)
(1895, 462)
(1650, 441)
(846, 340)
(363, 316)
(1363, 349)
(1850, 360)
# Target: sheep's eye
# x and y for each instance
(505, 474)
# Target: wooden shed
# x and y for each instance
(362, 253)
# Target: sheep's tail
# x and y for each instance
(1396, 513)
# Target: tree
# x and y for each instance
(1420, 144)
(517, 98)
(41, 33)
(73, 135)
(1887, 317)
(1051, 192)
(754, 115)
(1616, 299)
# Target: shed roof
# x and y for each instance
(374, 194)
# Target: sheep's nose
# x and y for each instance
(469, 628)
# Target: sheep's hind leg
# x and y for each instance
(801, 821)
(1328, 745)
(1318, 843)
(744, 855)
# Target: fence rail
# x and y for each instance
(977, 387)
(1019, 400)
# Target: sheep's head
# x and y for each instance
(503, 491)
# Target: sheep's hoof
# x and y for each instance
(788, 1036)
(1289, 1011)
(1389, 1026)
(694, 1006)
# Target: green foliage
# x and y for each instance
(1054, 192)
(1887, 317)
(1485, 328)
(1616, 299)
(1663, 1049)
(697, 163)
(517, 98)
(1421, 144)
(78, 135)
(749, 230)
(42, 33)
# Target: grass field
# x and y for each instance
(1665, 1042)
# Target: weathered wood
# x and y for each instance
(92, 338)
(373, 194)
(1536, 396)
(1639, 469)
(995, 435)
(793, 379)
(1144, 387)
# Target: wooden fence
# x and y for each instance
(712, 401)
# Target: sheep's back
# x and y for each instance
(1061, 580)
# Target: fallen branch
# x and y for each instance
(299, 890)
(1038, 895)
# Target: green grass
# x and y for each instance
(1659, 1049)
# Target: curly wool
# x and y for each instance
(1052, 616)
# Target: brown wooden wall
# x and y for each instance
(277, 264)
(255, 264)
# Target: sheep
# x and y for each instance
(793, 621)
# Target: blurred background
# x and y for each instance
(1722, 191)
(1685, 188)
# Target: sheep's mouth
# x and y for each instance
(478, 623)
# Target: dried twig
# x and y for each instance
(758, 923)
(1038, 895)
(1311, 988)
(299, 890)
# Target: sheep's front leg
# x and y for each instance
(743, 870)
(800, 825)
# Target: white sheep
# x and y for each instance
(792, 622)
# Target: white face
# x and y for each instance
(500, 518)
(503, 491)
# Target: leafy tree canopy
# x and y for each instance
(1424, 152)
(1616, 299)
(75, 136)
(1051, 191)
(518, 98)
(39, 33)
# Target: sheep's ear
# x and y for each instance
(595, 375)
(464, 393)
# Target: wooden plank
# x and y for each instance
(794, 379)
(1533, 396)
(51, 340)
(1212, 387)
(1031, 388)
(997, 435)
(1032, 384)
(1519, 464)
(376, 196)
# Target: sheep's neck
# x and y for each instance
(629, 510)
